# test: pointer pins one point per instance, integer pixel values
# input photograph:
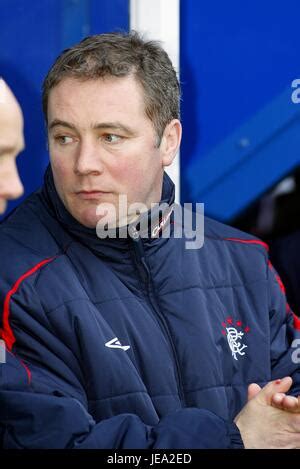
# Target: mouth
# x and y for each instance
(90, 195)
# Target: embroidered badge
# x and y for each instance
(234, 336)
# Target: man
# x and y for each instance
(135, 341)
(11, 143)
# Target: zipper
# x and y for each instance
(147, 278)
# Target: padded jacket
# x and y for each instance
(136, 342)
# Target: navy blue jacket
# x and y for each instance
(133, 343)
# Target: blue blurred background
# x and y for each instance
(238, 60)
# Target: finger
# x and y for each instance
(277, 400)
(253, 390)
(277, 386)
(291, 404)
(288, 403)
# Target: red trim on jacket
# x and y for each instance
(296, 322)
(28, 372)
(249, 241)
(282, 288)
(6, 332)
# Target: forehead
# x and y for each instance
(109, 94)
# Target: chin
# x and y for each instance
(87, 218)
(88, 222)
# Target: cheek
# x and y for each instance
(61, 176)
(60, 169)
(131, 178)
(132, 170)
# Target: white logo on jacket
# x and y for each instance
(115, 343)
(236, 347)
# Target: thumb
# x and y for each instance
(253, 390)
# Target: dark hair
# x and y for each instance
(119, 55)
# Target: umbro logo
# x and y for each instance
(115, 343)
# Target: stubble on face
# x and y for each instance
(92, 113)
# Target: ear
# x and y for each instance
(170, 141)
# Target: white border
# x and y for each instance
(159, 19)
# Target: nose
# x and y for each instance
(88, 160)
(11, 186)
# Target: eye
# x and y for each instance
(63, 139)
(112, 138)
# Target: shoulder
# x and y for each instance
(25, 242)
(218, 232)
(235, 250)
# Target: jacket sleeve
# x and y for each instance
(44, 421)
(50, 419)
(42, 409)
(284, 333)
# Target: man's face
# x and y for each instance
(11, 143)
(103, 145)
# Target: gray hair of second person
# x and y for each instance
(120, 55)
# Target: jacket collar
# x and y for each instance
(157, 218)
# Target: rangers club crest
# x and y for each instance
(234, 333)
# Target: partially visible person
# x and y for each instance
(11, 144)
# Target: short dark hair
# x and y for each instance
(121, 54)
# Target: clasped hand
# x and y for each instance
(270, 419)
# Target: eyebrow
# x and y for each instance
(101, 125)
